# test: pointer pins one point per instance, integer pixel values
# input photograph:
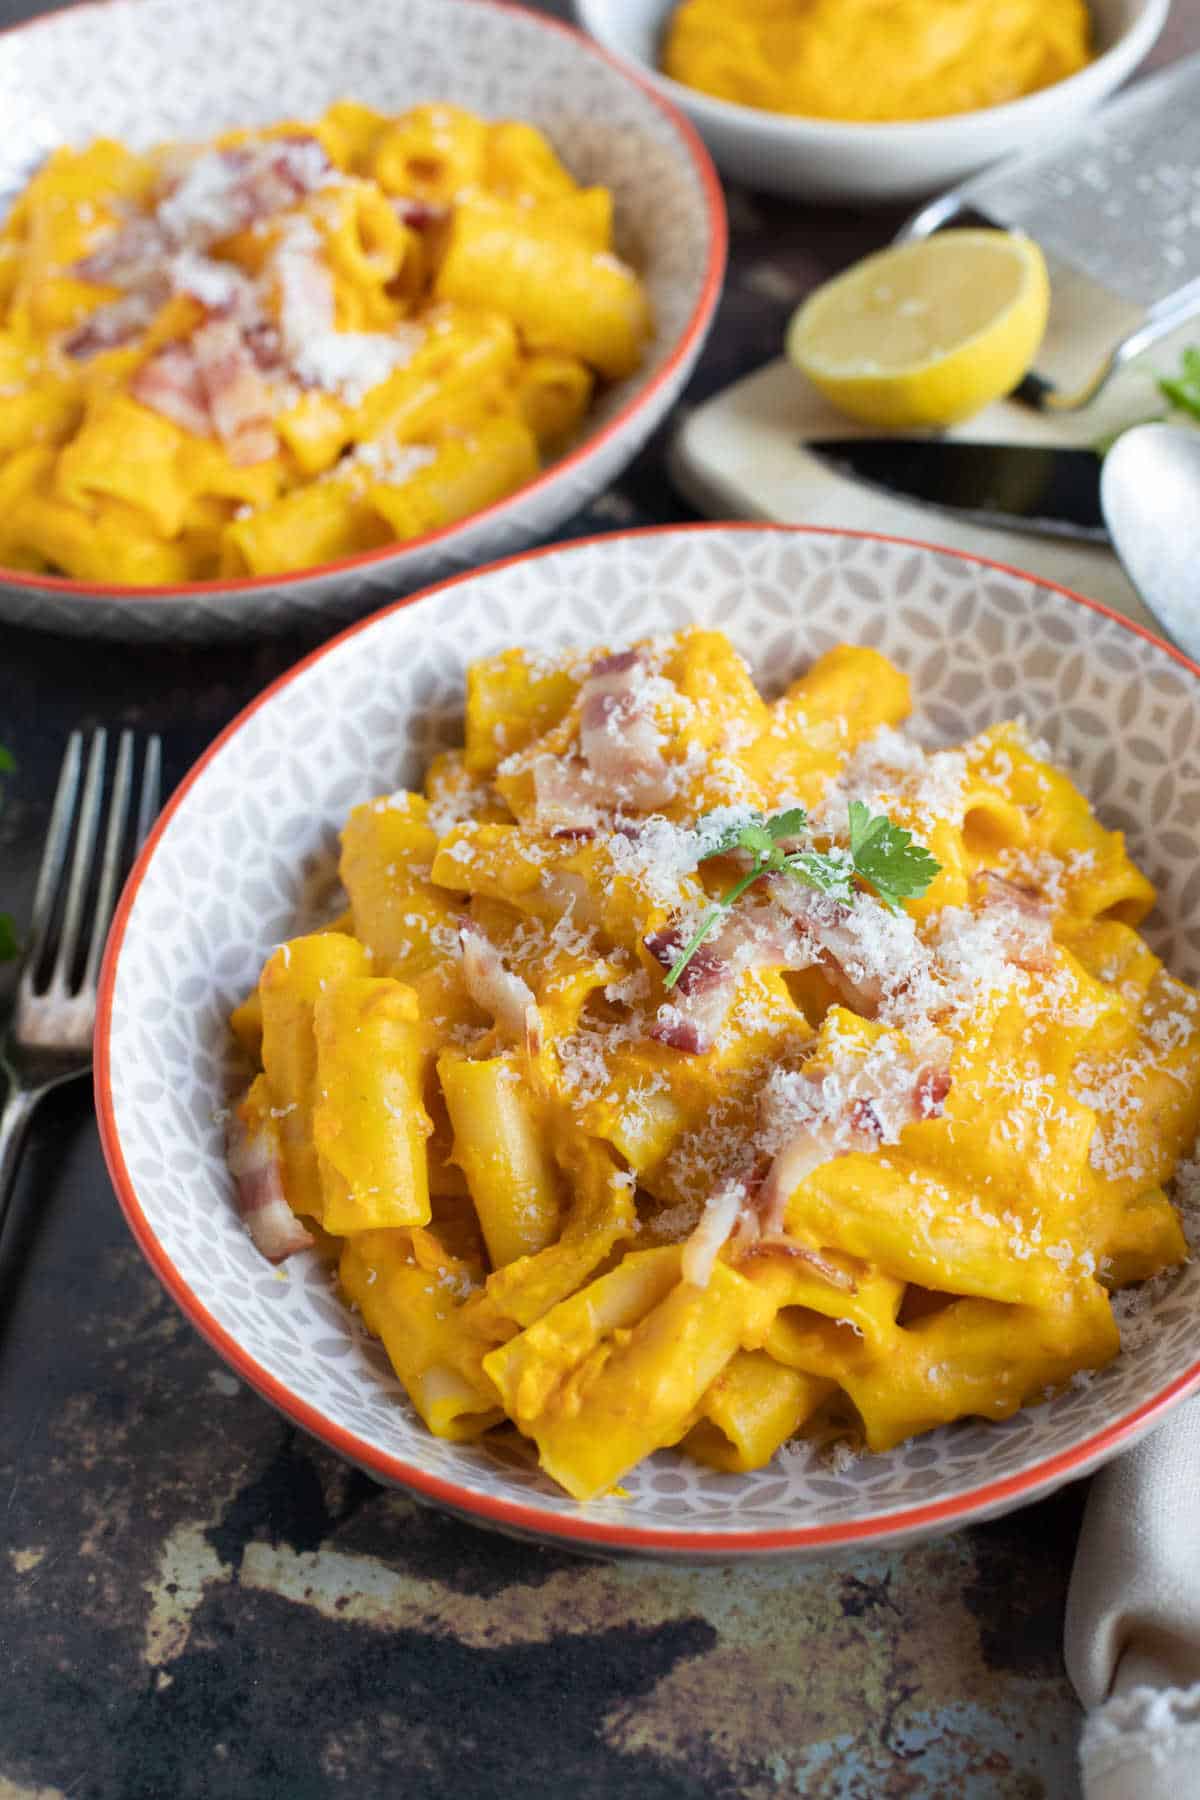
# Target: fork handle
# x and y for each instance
(14, 1122)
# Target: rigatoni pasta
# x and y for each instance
(694, 1071)
(295, 344)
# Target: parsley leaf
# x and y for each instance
(760, 836)
(1183, 390)
(880, 852)
(885, 855)
(829, 871)
(9, 946)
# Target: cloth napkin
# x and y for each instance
(1133, 1620)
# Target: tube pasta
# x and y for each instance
(864, 1173)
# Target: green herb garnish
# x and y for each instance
(8, 936)
(1183, 390)
(885, 855)
(880, 853)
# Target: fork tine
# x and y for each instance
(114, 838)
(81, 863)
(54, 856)
(151, 782)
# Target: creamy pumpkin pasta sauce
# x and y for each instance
(856, 1173)
(875, 59)
(295, 344)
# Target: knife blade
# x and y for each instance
(1046, 490)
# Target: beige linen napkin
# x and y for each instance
(1133, 1620)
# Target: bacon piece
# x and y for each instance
(238, 399)
(498, 990)
(620, 740)
(565, 796)
(716, 1224)
(758, 937)
(673, 1027)
(827, 926)
(619, 663)
(306, 298)
(706, 967)
(691, 1019)
(418, 215)
(256, 1167)
(999, 890)
(933, 1086)
(1026, 918)
(223, 191)
(114, 325)
(865, 1120)
(819, 1265)
(170, 383)
(264, 344)
(856, 1124)
(815, 1144)
(128, 257)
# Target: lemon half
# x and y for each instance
(925, 333)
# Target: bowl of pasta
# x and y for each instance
(286, 332)
(665, 1045)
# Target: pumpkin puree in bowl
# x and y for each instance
(875, 60)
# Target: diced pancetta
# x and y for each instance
(750, 938)
(418, 215)
(256, 1167)
(732, 1211)
(813, 1145)
(619, 736)
(716, 1225)
(114, 325)
(1027, 920)
(499, 990)
(933, 1087)
(834, 936)
(225, 191)
(565, 795)
(212, 385)
(170, 383)
(238, 399)
(822, 1116)
(691, 1017)
(130, 256)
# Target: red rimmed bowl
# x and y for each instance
(222, 881)
(165, 69)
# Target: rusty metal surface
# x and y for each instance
(195, 1600)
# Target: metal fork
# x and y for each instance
(49, 1037)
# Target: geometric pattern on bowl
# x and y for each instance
(163, 69)
(240, 845)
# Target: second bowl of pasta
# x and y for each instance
(381, 294)
(739, 1097)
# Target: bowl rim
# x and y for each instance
(514, 1516)
(801, 131)
(689, 339)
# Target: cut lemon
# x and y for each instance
(928, 332)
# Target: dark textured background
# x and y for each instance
(197, 1600)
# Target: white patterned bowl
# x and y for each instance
(832, 160)
(143, 70)
(221, 882)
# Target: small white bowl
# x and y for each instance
(223, 878)
(822, 159)
(143, 70)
